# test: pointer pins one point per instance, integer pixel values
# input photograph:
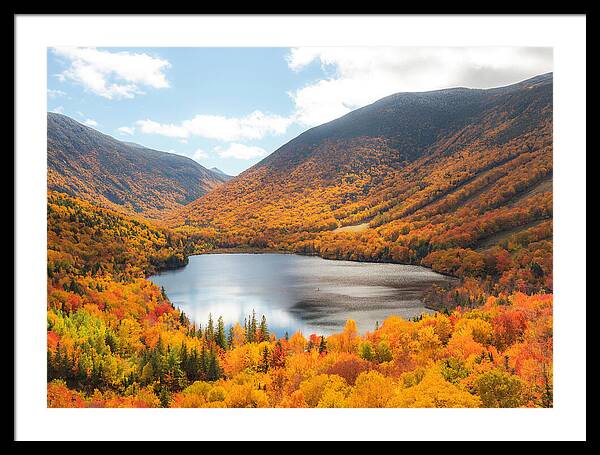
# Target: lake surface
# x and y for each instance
(295, 292)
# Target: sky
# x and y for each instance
(230, 107)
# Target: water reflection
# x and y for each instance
(296, 292)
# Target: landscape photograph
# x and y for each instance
(305, 227)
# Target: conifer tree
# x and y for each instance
(164, 396)
(214, 370)
(230, 337)
(192, 368)
(157, 358)
(322, 345)
(220, 339)
(183, 357)
(264, 331)
(253, 327)
(264, 364)
(203, 363)
(210, 330)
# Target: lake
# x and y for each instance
(296, 292)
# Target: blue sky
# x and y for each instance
(230, 107)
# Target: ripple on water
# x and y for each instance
(295, 292)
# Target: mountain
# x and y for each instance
(403, 179)
(86, 163)
(220, 172)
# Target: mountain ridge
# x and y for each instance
(309, 134)
(428, 172)
(87, 163)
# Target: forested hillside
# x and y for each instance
(459, 180)
(115, 340)
(84, 162)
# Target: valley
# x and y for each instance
(454, 185)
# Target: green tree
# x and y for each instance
(322, 345)
(365, 350)
(172, 375)
(265, 360)
(453, 370)
(220, 339)
(204, 360)
(214, 371)
(230, 337)
(263, 330)
(383, 352)
(209, 333)
(252, 328)
(498, 389)
(164, 396)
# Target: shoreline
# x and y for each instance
(249, 250)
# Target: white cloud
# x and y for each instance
(55, 93)
(59, 110)
(170, 130)
(128, 130)
(360, 76)
(240, 151)
(299, 57)
(90, 122)
(199, 154)
(112, 75)
(251, 127)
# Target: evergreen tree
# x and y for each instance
(213, 370)
(193, 371)
(230, 337)
(203, 362)
(322, 345)
(253, 327)
(157, 358)
(184, 358)
(164, 396)
(220, 339)
(264, 331)
(210, 330)
(264, 363)
(172, 375)
(183, 319)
